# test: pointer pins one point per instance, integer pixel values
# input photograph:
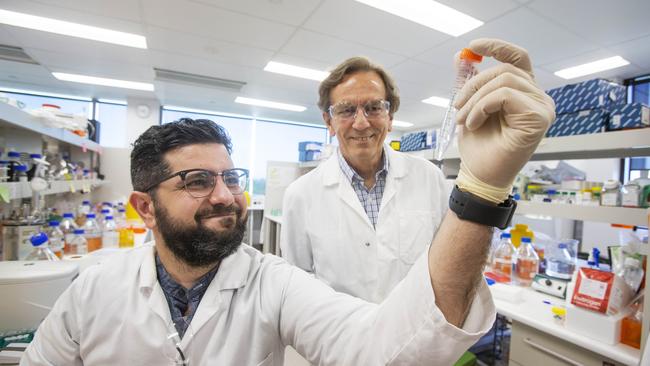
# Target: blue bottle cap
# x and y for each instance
(78, 231)
(505, 236)
(107, 204)
(21, 168)
(38, 239)
(4, 162)
(525, 239)
(36, 156)
(121, 210)
(90, 216)
(85, 202)
(68, 215)
(54, 223)
(105, 211)
(13, 154)
(562, 246)
(109, 217)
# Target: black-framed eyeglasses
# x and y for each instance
(200, 183)
(346, 111)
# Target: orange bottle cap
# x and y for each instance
(467, 54)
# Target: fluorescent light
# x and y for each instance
(84, 79)
(397, 123)
(71, 29)
(437, 101)
(112, 101)
(592, 67)
(428, 13)
(44, 94)
(297, 71)
(269, 104)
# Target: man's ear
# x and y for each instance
(328, 123)
(143, 205)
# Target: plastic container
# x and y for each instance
(526, 263)
(41, 251)
(611, 194)
(78, 243)
(4, 171)
(466, 69)
(110, 235)
(83, 210)
(93, 233)
(519, 232)
(632, 273)
(56, 237)
(562, 258)
(502, 258)
(67, 226)
(20, 173)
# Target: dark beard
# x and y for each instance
(200, 246)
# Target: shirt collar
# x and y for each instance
(352, 174)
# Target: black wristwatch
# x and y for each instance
(471, 208)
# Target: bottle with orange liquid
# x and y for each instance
(502, 258)
(526, 263)
(93, 233)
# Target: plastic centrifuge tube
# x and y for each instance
(466, 70)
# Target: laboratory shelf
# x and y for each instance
(614, 144)
(309, 164)
(614, 215)
(425, 154)
(23, 190)
(12, 117)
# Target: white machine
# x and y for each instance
(29, 290)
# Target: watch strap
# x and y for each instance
(471, 208)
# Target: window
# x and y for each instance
(638, 92)
(112, 119)
(279, 142)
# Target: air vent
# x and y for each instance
(15, 54)
(200, 80)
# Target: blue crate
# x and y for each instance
(309, 155)
(579, 123)
(590, 94)
(310, 146)
(633, 115)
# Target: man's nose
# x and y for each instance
(360, 119)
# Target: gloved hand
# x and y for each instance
(503, 116)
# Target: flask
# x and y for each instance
(78, 243)
(502, 259)
(110, 235)
(93, 233)
(526, 262)
(41, 251)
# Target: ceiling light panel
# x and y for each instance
(71, 29)
(296, 71)
(592, 67)
(437, 101)
(428, 13)
(85, 79)
(404, 124)
(269, 104)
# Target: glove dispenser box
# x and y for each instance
(633, 115)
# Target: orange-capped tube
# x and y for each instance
(467, 54)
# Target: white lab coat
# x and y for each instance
(115, 313)
(326, 231)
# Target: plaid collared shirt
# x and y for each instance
(181, 300)
(370, 198)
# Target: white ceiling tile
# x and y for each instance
(481, 9)
(208, 21)
(331, 50)
(438, 81)
(545, 41)
(421, 114)
(604, 22)
(617, 74)
(292, 12)
(96, 19)
(121, 9)
(636, 51)
(207, 48)
(6, 38)
(359, 23)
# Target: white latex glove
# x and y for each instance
(503, 116)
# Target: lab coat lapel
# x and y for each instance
(396, 170)
(332, 176)
(150, 288)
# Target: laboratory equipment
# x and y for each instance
(67, 226)
(632, 273)
(519, 231)
(466, 69)
(56, 237)
(549, 285)
(502, 258)
(41, 249)
(526, 263)
(15, 239)
(562, 258)
(611, 194)
(93, 233)
(29, 290)
(110, 235)
(78, 243)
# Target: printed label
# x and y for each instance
(593, 288)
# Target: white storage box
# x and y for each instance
(598, 326)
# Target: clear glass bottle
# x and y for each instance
(93, 233)
(110, 235)
(502, 258)
(41, 251)
(78, 243)
(20, 174)
(83, 210)
(611, 193)
(526, 263)
(632, 273)
(67, 226)
(56, 238)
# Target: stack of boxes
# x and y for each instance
(309, 150)
(418, 141)
(594, 106)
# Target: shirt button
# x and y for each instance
(367, 244)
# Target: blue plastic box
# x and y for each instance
(579, 123)
(590, 94)
(310, 146)
(633, 115)
(310, 155)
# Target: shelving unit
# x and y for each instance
(12, 117)
(23, 190)
(613, 215)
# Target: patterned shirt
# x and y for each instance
(181, 300)
(370, 198)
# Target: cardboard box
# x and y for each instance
(597, 326)
(579, 123)
(633, 115)
(590, 94)
(413, 141)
